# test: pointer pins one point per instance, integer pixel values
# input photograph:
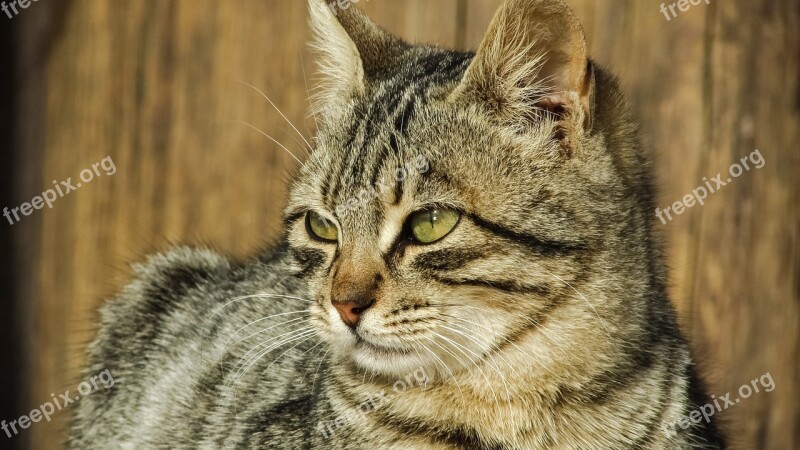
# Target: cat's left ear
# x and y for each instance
(532, 61)
(351, 51)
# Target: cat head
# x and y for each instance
(457, 203)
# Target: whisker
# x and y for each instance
(541, 329)
(505, 339)
(322, 360)
(270, 346)
(260, 295)
(310, 102)
(270, 138)
(488, 383)
(266, 329)
(314, 358)
(505, 381)
(301, 335)
(307, 337)
(496, 369)
(465, 329)
(459, 347)
(279, 112)
(238, 299)
(601, 321)
(446, 367)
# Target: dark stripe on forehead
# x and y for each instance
(400, 124)
(395, 97)
(394, 144)
(401, 120)
(383, 106)
(375, 112)
(333, 181)
(427, 70)
(442, 67)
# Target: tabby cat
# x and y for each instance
(469, 262)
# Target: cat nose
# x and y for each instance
(354, 290)
(350, 310)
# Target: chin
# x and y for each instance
(379, 358)
(387, 361)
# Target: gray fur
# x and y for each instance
(540, 322)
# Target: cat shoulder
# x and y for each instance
(163, 281)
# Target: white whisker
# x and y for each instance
(279, 112)
(240, 374)
(299, 319)
(262, 295)
(306, 338)
(314, 358)
(322, 360)
(249, 361)
(446, 367)
(601, 321)
(310, 102)
(497, 370)
(238, 299)
(270, 138)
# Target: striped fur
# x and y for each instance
(541, 321)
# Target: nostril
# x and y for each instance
(350, 312)
(360, 309)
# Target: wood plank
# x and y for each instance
(745, 282)
(154, 86)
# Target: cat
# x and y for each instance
(501, 285)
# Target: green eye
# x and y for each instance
(430, 225)
(321, 228)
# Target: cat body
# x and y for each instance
(500, 287)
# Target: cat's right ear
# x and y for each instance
(351, 51)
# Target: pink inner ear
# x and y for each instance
(552, 103)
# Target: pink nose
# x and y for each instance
(350, 311)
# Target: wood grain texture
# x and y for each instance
(156, 86)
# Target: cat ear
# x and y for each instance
(351, 50)
(532, 61)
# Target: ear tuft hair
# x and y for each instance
(533, 62)
(351, 51)
(341, 73)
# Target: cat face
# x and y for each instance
(448, 207)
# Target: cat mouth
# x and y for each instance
(383, 350)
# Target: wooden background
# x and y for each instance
(154, 85)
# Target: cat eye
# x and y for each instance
(430, 225)
(321, 228)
